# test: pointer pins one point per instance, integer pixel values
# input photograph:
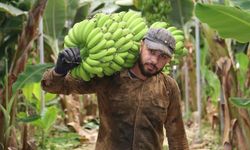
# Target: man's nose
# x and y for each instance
(154, 59)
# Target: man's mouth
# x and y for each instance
(151, 67)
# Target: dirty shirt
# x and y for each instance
(132, 112)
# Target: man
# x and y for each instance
(134, 104)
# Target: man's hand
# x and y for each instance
(67, 60)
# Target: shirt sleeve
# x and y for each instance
(67, 84)
(174, 123)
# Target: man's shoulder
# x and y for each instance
(167, 77)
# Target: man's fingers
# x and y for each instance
(66, 56)
(76, 53)
(71, 55)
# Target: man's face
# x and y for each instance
(151, 62)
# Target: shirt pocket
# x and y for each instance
(156, 107)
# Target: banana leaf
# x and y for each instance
(243, 4)
(230, 22)
(240, 102)
(33, 73)
(181, 12)
(54, 18)
(13, 11)
(47, 119)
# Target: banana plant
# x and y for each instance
(17, 66)
(230, 23)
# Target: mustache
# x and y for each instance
(154, 66)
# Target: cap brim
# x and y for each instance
(158, 46)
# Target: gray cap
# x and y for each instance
(160, 39)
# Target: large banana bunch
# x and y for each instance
(180, 50)
(108, 43)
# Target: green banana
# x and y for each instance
(111, 51)
(127, 15)
(92, 34)
(118, 59)
(140, 35)
(124, 54)
(83, 52)
(91, 69)
(100, 75)
(68, 42)
(104, 29)
(107, 58)
(139, 27)
(101, 45)
(185, 51)
(108, 36)
(102, 20)
(110, 43)
(177, 32)
(171, 29)
(113, 27)
(125, 32)
(116, 17)
(178, 52)
(73, 73)
(122, 24)
(108, 71)
(87, 29)
(135, 47)
(92, 62)
(77, 26)
(178, 38)
(128, 65)
(98, 55)
(98, 16)
(136, 22)
(159, 25)
(72, 37)
(130, 61)
(121, 14)
(77, 72)
(83, 74)
(126, 46)
(121, 41)
(77, 32)
(129, 37)
(115, 66)
(106, 64)
(131, 56)
(133, 17)
(179, 45)
(108, 23)
(117, 34)
(97, 38)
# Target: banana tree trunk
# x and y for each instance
(25, 42)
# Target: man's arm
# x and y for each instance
(60, 84)
(174, 123)
(59, 81)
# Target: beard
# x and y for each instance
(144, 71)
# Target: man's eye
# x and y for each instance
(164, 56)
(152, 51)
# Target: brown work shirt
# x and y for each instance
(132, 112)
